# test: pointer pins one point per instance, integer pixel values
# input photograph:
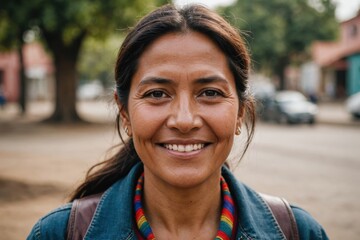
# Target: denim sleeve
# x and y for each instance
(309, 228)
(52, 226)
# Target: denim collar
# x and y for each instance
(255, 220)
(114, 218)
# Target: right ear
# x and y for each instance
(124, 116)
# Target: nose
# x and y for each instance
(184, 115)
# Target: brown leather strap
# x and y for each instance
(82, 212)
(284, 216)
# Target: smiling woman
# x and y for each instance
(182, 93)
(191, 89)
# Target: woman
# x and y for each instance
(182, 92)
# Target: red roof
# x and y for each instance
(329, 53)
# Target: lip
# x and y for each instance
(183, 155)
(184, 148)
(184, 142)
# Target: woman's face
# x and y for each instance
(183, 109)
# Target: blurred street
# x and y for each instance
(332, 113)
(316, 167)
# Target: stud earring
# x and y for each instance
(238, 131)
(127, 131)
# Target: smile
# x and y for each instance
(184, 148)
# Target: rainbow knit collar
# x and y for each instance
(226, 221)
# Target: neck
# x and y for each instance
(177, 213)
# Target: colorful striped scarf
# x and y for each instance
(226, 220)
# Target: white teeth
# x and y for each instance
(181, 148)
(184, 148)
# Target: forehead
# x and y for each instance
(188, 44)
(183, 54)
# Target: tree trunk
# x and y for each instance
(65, 59)
(65, 92)
(280, 72)
(23, 83)
(282, 80)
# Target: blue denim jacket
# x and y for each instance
(114, 218)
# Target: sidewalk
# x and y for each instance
(335, 113)
(332, 113)
(92, 111)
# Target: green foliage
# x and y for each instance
(64, 25)
(5, 31)
(280, 32)
(97, 59)
(70, 19)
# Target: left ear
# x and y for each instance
(124, 116)
(239, 120)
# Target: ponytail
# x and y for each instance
(102, 175)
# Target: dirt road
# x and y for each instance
(39, 167)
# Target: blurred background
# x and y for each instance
(57, 115)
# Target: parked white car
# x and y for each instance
(289, 107)
(353, 105)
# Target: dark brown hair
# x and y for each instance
(169, 19)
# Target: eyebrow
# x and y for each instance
(199, 81)
(212, 79)
(152, 80)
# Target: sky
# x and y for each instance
(345, 10)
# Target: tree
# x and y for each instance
(97, 59)
(11, 37)
(64, 25)
(280, 32)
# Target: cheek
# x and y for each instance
(222, 120)
(144, 122)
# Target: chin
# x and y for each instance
(189, 178)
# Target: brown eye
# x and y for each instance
(156, 94)
(211, 93)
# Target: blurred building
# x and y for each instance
(38, 71)
(337, 64)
